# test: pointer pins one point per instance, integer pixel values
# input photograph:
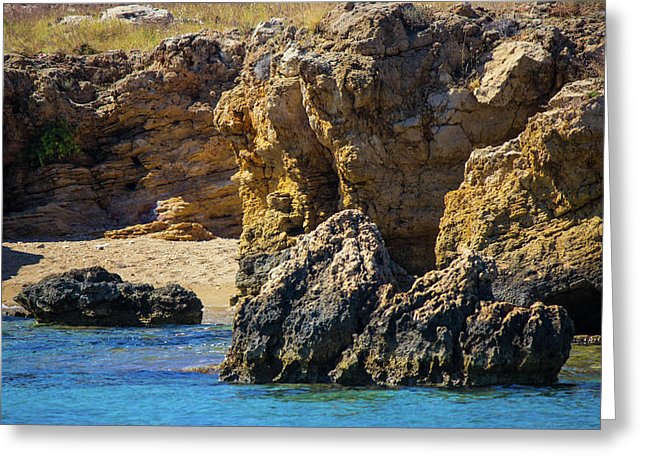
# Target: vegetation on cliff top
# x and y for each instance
(35, 28)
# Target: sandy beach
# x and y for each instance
(208, 268)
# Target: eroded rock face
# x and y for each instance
(143, 123)
(535, 204)
(95, 297)
(378, 111)
(340, 310)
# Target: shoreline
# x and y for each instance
(208, 268)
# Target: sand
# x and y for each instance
(208, 268)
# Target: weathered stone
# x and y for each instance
(535, 205)
(74, 19)
(138, 14)
(300, 323)
(95, 297)
(379, 111)
(338, 309)
(148, 149)
(163, 230)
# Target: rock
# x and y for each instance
(313, 303)
(587, 340)
(74, 19)
(143, 123)
(16, 312)
(376, 112)
(535, 205)
(95, 297)
(138, 14)
(518, 71)
(184, 231)
(340, 310)
(465, 9)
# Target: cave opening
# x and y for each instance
(583, 304)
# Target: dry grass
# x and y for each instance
(34, 29)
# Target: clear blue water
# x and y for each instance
(130, 376)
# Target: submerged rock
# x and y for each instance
(96, 297)
(340, 310)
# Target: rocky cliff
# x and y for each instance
(535, 204)
(146, 147)
(380, 111)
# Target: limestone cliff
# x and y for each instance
(535, 204)
(379, 111)
(143, 124)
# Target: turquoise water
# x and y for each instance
(130, 376)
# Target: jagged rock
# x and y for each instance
(95, 297)
(379, 111)
(143, 122)
(340, 310)
(518, 71)
(313, 303)
(163, 230)
(535, 204)
(138, 14)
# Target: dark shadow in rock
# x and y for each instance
(13, 260)
(583, 303)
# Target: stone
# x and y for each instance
(96, 297)
(74, 19)
(183, 231)
(138, 14)
(300, 323)
(339, 310)
(379, 111)
(535, 205)
(517, 71)
(143, 123)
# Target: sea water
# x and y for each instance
(142, 376)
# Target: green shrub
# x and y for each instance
(53, 141)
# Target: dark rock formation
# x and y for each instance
(340, 310)
(95, 297)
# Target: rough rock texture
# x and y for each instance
(95, 297)
(535, 205)
(148, 148)
(138, 14)
(379, 111)
(184, 231)
(340, 310)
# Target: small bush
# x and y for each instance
(54, 141)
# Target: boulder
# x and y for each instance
(340, 310)
(535, 205)
(95, 297)
(74, 19)
(138, 14)
(313, 303)
(183, 231)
